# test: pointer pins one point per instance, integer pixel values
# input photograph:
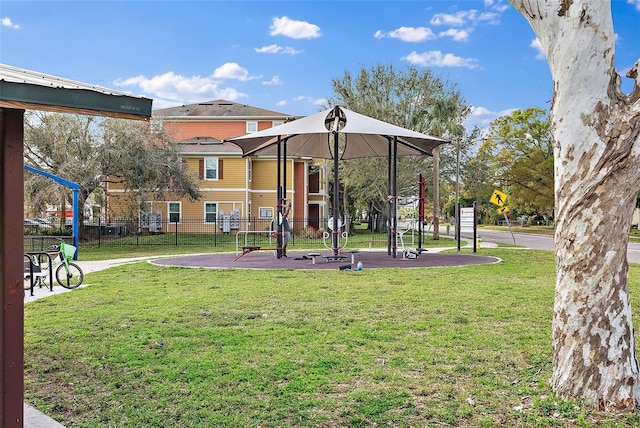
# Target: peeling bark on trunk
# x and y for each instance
(596, 131)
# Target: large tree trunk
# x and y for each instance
(596, 129)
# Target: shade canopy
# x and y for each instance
(363, 137)
(319, 136)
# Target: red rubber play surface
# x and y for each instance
(301, 260)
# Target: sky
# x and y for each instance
(283, 55)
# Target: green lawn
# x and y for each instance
(463, 346)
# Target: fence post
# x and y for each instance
(176, 229)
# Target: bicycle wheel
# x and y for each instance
(71, 280)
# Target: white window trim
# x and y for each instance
(204, 207)
(169, 212)
(254, 122)
(266, 209)
(277, 123)
(249, 170)
(217, 168)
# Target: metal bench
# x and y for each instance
(313, 257)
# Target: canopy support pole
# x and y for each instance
(420, 211)
(278, 215)
(335, 233)
(389, 213)
(394, 198)
(283, 201)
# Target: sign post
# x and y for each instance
(468, 222)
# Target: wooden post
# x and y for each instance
(11, 266)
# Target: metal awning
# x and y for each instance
(29, 90)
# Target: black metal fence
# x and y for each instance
(35, 243)
(221, 235)
(224, 234)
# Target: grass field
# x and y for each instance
(173, 347)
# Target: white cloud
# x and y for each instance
(310, 100)
(438, 59)
(535, 44)
(497, 5)
(294, 29)
(281, 103)
(482, 117)
(636, 3)
(275, 49)
(6, 22)
(457, 35)
(464, 17)
(275, 80)
(171, 88)
(408, 34)
(232, 70)
(457, 19)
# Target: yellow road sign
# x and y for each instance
(503, 210)
(499, 198)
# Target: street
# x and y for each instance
(542, 242)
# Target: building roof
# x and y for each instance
(207, 146)
(30, 90)
(219, 109)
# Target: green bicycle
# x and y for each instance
(68, 274)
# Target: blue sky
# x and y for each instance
(282, 55)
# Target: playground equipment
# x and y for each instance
(337, 243)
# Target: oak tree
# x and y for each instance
(91, 151)
(403, 97)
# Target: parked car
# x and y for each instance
(37, 223)
(30, 224)
(44, 223)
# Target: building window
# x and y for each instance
(211, 168)
(314, 181)
(174, 212)
(210, 212)
(265, 212)
(250, 169)
(277, 123)
(252, 126)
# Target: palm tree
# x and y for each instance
(443, 118)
